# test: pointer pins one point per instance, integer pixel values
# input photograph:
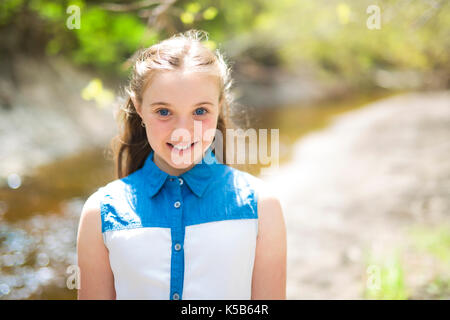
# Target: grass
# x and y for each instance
(386, 276)
(434, 240)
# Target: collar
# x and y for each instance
(197, 178)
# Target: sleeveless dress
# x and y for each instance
(190, 237)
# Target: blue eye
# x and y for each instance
(200, 111)
(163, 112)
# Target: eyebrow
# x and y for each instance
(168, 104)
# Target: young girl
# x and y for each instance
(177, 223)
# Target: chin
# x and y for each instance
(184, 159)
(182, 165)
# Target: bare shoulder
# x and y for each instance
(90, 219)
(92, 203)
(268, 201)
(271, 221)
(269, 273)
(90, 225)
(97, 280)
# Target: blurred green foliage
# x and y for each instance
(386, 279)
(333, 35)
(386, 275)
(439, 288)
(433, 240)
(330, 37)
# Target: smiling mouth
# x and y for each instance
(181, 148)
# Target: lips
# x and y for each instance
(180, 147)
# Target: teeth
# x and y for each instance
(178, 147)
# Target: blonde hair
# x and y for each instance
(183, 50)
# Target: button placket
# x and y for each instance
(177, 233)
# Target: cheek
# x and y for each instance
(158, 131)
(208, 129)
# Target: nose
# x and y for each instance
(183, 130)
(184, 122)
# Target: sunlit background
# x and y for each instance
(358, 89)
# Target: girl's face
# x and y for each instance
(173, 104)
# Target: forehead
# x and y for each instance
(181, 86)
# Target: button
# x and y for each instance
(176, 296)
(181, 181)
(177, 246)
(177, 204)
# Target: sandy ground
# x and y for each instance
(357, 186)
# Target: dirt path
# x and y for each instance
(358, 185)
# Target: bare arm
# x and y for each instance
(269, 271)
(97, 280)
